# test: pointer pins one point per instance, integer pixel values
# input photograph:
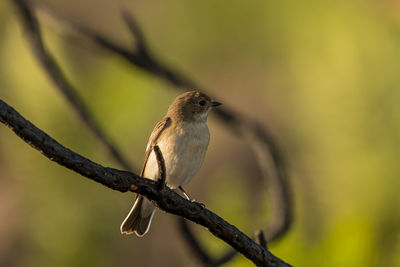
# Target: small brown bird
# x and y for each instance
(183, 137)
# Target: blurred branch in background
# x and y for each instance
(56, 75)
(260, 141)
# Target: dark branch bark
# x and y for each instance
(124, 181)
(56, 75)
(161, 168)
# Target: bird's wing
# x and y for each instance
(158, 129)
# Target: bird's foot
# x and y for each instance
(190, 199)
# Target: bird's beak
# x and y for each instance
(215, 104)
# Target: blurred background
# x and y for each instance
(323, 76)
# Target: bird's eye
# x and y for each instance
(202, 103)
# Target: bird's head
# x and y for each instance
(192, 106)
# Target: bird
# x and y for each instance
(182, 137)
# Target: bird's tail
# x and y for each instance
(139, 218)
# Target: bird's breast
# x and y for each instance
(183, 148)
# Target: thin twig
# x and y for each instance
(124, 181)
(161, 168)
(59, 79)
(272, 165)
(141, 46)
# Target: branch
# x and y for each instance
(140, 56)
(124, 181)
(136, 31)
(56, 75)
(274, 170)
(161, 168)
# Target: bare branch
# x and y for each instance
(139, 57)
(56, 75)
(161, 167)
(136, 31)
(274, 170)
(124, 181)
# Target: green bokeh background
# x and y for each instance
(322, 75)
